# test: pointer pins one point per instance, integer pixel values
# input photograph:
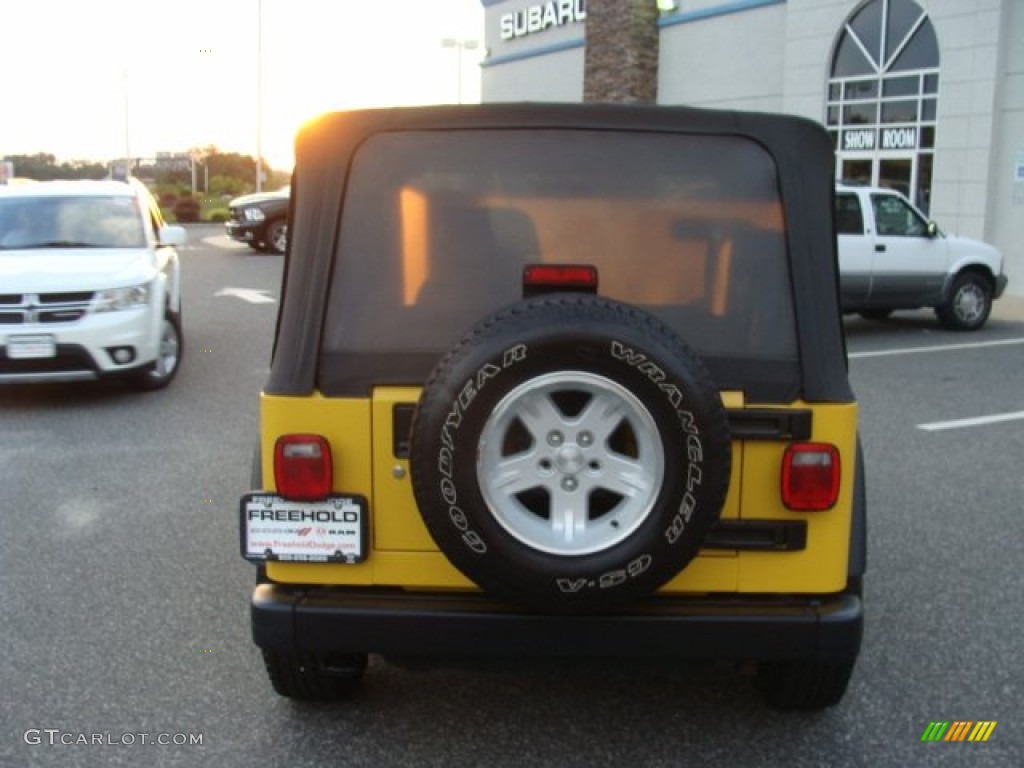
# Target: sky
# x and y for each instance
(98, 79)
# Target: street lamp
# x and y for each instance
(259, 97)
(127, 125)
(459, 46)
(121, 171)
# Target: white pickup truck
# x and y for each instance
(892, 257)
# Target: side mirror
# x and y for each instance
(171, 234)
(933, 229)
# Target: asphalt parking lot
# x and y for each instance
(125, 607)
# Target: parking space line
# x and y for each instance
(935, 348)
(980, 421)
(225, 242)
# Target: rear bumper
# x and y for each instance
(288, 618)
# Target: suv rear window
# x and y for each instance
(437, 227)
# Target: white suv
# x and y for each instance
(892, 257)
(90, 284)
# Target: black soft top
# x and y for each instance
(326, 152)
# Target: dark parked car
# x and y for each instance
(260, 220)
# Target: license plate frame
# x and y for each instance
(36, 346)
(274, 529)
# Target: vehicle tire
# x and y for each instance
(875, 314)
(803, 685)
(570, 454)
(314, 677)
(160, 373)
(276, 236)
(969, 304)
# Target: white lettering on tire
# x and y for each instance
(467, 393)
(694, 446)
(608, 579)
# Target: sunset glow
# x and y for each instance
(104, 78)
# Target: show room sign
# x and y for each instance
(886, 138)
(542, 17)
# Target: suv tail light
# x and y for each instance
(302, 467)
(810, 476)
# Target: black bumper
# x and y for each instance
(287, 618)
(244, 232)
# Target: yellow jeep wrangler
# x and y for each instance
(559, 381)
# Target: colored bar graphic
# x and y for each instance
(982, 731)
(958, 730)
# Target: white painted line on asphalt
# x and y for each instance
(935, 348)
(223, 241)
(980, 421)
(251, 295)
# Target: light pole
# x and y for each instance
(121, 171)
(259, 97)
(459, 46)
(127, 131)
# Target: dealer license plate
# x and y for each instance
(329, 531)
(31, 347)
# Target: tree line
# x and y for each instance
(217, 173)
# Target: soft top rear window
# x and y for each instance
(437, 227)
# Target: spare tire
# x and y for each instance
(570, 454)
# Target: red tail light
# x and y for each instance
(810, 477)
(302, 467)
(547, 278)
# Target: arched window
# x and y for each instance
(883, 95)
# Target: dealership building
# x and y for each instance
(926, 96)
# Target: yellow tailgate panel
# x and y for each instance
(822, 566)
(400, 528)
(345, 422)
(402, 552)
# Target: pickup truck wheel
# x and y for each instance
(570, 454)
(314, 677)
(277, 236)
(803, 685)
(969, 304)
